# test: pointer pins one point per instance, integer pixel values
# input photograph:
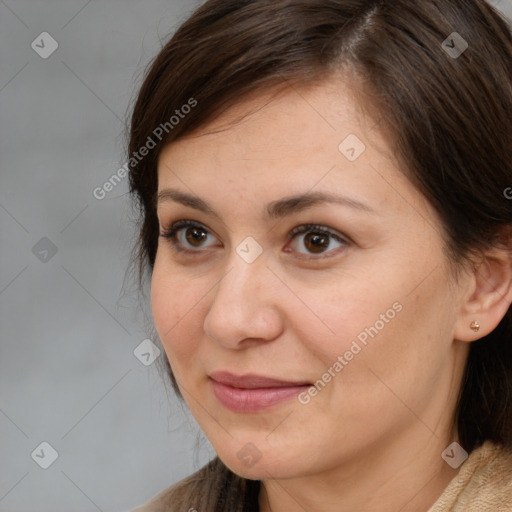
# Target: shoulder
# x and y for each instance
(483, 483)
(176, 496)
(159, 503)
(213, 483)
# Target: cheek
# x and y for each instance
(352, 311)
(407, 355)
(381, 322)
(174, 303)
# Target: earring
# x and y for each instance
(475, 326)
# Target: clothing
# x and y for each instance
(483, 484)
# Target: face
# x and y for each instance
(296, 348)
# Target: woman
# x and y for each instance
(322, 188)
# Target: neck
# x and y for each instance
(398, 476)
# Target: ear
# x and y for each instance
(488, 296)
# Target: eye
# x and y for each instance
(317, 240)
(195, 235)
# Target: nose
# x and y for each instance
(244, 308)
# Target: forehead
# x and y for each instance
(314, 138)
(295, 122)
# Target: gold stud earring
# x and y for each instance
(475, 326)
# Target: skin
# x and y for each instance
(372, 438)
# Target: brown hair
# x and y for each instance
(448, 117)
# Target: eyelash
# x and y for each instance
(170, 234)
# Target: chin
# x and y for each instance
(247, 463)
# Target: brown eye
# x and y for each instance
(315, 242)
(195, 235)
(317, 239)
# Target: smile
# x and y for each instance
(252, 393)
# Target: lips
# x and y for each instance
(253, 393)
(252, 381)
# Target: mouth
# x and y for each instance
(253, 393)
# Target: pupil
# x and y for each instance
(316, 240)
(196, 237)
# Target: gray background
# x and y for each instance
(70, 321)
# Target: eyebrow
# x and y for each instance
(275, 210)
